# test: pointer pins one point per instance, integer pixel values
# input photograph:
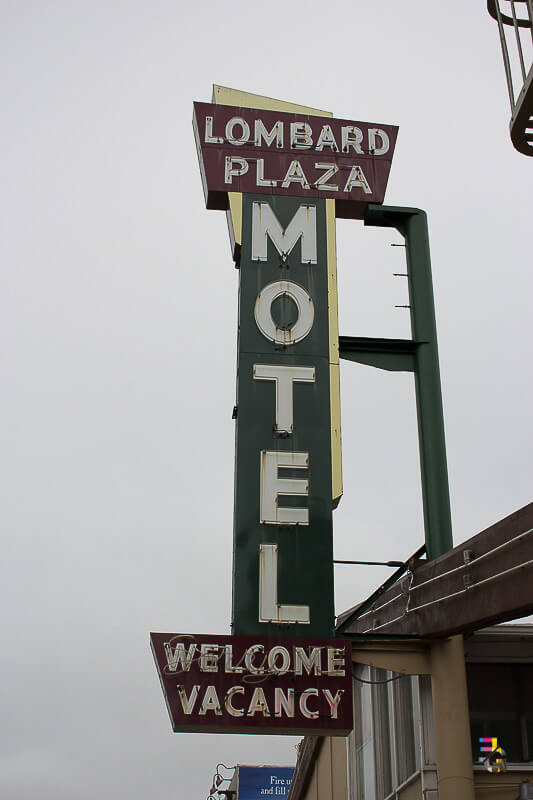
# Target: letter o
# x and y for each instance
(263, 314)
(245, 135)
(285, 660)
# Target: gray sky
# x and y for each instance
(118, 347)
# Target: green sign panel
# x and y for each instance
(283, 548)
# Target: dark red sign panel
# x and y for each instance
(271, 152)
(242, 684)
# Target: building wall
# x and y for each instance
(502, 786)
(329, 777)
(375, 762)
(412, 791)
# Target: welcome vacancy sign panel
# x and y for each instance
(238, 684)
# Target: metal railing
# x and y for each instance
(515, 22)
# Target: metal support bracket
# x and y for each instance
(420, 356)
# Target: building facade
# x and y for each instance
(423, 711)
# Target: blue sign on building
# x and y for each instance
(258, 783)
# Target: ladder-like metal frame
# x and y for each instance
(521, 124)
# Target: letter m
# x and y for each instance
(302, 226)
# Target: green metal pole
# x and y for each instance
(411, 223)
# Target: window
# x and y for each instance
(500, 698)
(382, 732)
(355, 744)
(382, 747)
(404, 729)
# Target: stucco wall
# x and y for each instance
(329, 779)
(503, 786)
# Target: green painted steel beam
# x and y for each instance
(394, 355)
(411, 223)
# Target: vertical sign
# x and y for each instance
(283, 550)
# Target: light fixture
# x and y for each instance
(218, 780)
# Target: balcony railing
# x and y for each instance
(515, 22)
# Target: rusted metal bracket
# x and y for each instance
(418, 355)
(484, 581)
(344, 621)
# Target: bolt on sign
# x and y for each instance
(238, 684)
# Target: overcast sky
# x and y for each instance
(119, 344)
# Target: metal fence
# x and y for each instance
(515, 25)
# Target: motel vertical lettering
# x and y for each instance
(283, 552)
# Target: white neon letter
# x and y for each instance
(351, 137)
(209, 658)
(258, 703)
(209, 138)
(230, 708)
(211, 702)
(263, 313)
(260, 132)
(357, 178)
(372, 146)
(333, 702)
(245, 135)
(303, 703)
(301, 135)
(311, 662)
(282, 668)
(295, 174)
(248, 659)
(283, 702)
(330, 169)
(284, 377)
(230, 170)
(179, 658)
(265, 223)
(269, 608)
(228, 661)
(272, 486)
(260, 179)
(327, 139)
(187, 703)
(336, 665)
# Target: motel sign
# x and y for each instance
(282, 173)
(283, 540)
(293, 172)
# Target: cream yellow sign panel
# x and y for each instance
(234, 97)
